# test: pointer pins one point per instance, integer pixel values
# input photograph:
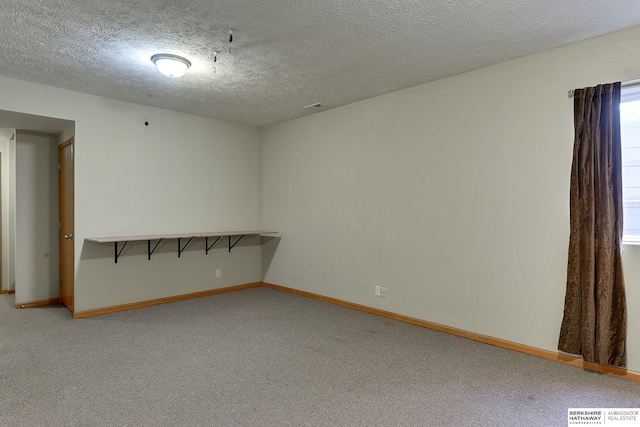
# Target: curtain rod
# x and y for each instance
(572, 92)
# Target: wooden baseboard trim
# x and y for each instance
(547, 354)
(7, 291)
(40, 303)
(139, 304)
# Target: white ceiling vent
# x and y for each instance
(316, 105)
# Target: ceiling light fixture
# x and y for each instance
(171, 65)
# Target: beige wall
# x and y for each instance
(453, 195)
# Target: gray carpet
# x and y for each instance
(261, 357)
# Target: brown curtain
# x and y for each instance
(594, 323)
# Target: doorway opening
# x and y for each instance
(30, 251)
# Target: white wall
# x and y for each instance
(37, 252)
(4, 212)
(12, 213)
(452, 194)
(7, 152)
(182, 173)
(67, 133)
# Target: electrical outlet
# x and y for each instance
(377, 291)
(383, 292)
(218, 272)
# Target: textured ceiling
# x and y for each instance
(286, 54)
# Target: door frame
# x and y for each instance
(64, 262)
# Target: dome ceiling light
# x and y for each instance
(171, 65)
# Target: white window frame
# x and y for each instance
(629, 94)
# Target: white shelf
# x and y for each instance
(160, 237)
(112, 239)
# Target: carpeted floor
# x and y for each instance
(261, 357)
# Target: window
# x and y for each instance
(630, 135)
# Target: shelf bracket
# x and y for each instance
(207, 247)
(116, 253)
(230, 245)
(149, 251)
(180, 248)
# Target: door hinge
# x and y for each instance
(59, 225)
(59, 167)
